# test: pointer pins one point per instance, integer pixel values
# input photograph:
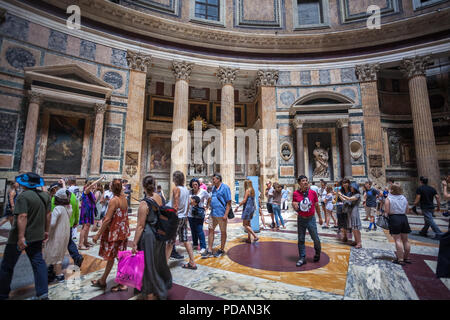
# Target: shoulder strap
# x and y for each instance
(43, 202)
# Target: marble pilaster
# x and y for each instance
(367, 76)
(180, 140)
(343, 123)
(100, 110)
(298, 124)
(29, 144)
(424, 140)
(138, 64)
(227, 165)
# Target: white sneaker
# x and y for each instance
(202, 251)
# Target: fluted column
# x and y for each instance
(29, 142)
(343, 123)
(180, 140)
(268, 134)
(100, 109)
(367, 75)
(424, 141)
(138, 64)
(227, 164)
(300, 152)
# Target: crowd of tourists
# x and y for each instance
(45, 221)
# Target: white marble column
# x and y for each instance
(180, 134)
(227, 162)
(100, 109)
(29, 141)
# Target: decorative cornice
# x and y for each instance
(298, 123)
(266, 78)
(342, 123)
(415, 66)
(182, 70)
(189, 33)
(367, 72)
(227, 75)
(35, 97)
(100, 108)
(138, 61)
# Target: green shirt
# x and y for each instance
(30, 202)
(75, 209)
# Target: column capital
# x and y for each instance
(227, 75)
(35, 97)
(182, 70)
(415, 66)
(100, 108)
(298, 123)
(138, 61)
(341, 123)
(367, 72)
(266, 77)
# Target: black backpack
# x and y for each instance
(166, 225)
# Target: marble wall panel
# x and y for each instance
(10, 102)
(6, 161)
(286, 97)
(112, 144)
(348, 75)
(305, 78)
(16, 57)
(358, 171)
(119, 58)
(111, 166)
(114, 118)
(117, 78)
(15, 28)
(8, 129)
(103, 54)
(286, 171)
(57, 41)
(73, 46)
(88, 50)
(324, 77)
(284, 78)
(38, 35)
(265, 10)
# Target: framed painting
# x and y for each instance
(65, 145)
(161, 109)
(239, 114)
(159, 153)
(198, 109)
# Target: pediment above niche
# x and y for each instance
(68, 78)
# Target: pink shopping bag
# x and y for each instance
(130, 270)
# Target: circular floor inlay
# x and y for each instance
(275, 256)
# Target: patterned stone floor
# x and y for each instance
(266, 269)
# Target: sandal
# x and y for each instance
(119, 288)
(256, 239)
(396, 261)
(353, 243)
(189, 266)
(97, 284)
(358, 246)
(247, 241)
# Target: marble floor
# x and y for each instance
(266, 270)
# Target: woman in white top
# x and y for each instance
(58, 237)
(396, 205)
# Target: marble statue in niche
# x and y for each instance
(321, 162)
(394, 147)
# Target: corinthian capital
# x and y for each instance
(250, 91)
(266, 78)
(227, 75)
(182, 70)
(298, 123)
(415, 66)
(367, 72)
(100, 108)
(342, 123)
(35, 97)
(138, 61)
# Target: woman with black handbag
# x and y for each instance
(396, 206)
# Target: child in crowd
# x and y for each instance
(328, 199)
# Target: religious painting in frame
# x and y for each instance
(239, 114)
(198, 109)
(65, 145)
(161, 109)
(159, 153)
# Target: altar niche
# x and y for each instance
(327, 139)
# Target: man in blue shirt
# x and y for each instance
(220, 207)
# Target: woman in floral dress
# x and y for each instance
(113, 233)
